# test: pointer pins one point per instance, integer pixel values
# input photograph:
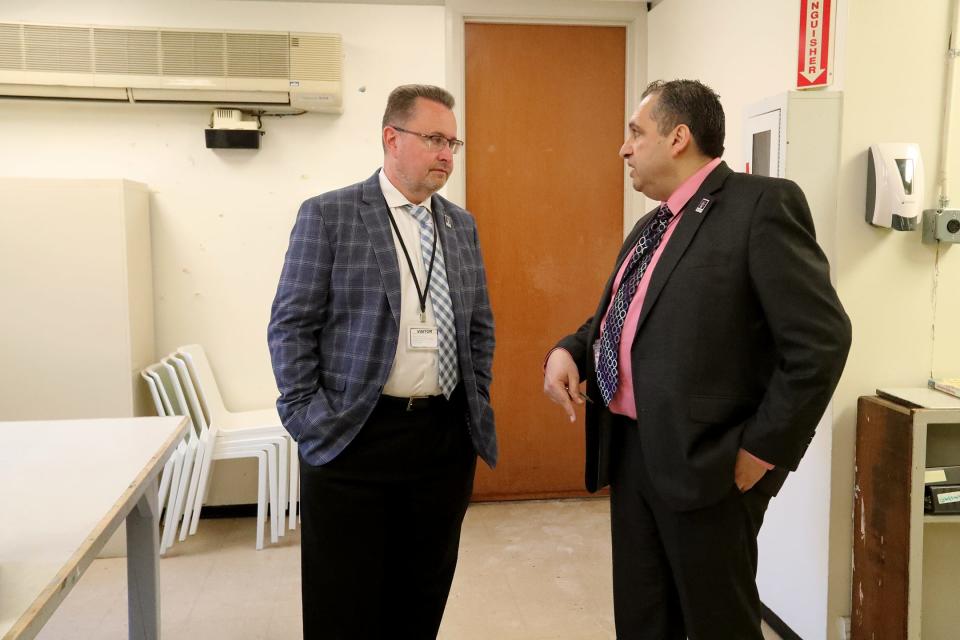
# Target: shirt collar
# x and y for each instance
(394, 198)
(679, 198)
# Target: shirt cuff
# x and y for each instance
(766, 465)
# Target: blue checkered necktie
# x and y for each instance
(609, 348)
(440, 297)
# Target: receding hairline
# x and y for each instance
(402, 101)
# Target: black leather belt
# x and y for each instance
(416, 403)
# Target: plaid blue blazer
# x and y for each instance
(335, 320)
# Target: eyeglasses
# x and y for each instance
(435, 141)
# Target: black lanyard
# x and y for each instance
(422, 295)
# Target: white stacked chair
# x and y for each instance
(183, 456)
(170, 478)
(231, 426)
(216, 447)
(180, 485)
(168, 387)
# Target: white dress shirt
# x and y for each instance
(415, 372)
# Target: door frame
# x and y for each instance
(631, 15)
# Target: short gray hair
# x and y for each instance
(401, 102)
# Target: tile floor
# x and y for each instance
(528, 571)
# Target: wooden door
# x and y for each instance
(544, 114)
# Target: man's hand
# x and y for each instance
(561, 381)
(747, 471)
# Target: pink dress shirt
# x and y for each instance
(623, 401)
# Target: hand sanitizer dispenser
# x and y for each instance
(894, 185)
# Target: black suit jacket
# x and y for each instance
(740, 343)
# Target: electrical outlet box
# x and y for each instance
(941, 225)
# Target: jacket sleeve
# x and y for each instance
(297, 318)
(481, 328)
(576, 345)
(811, 331)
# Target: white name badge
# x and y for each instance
(423, 337)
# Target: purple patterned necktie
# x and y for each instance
(609, 348)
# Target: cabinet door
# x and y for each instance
(73, 256)
(763, 141)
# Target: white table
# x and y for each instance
(65, 486)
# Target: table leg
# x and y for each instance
(143, 566)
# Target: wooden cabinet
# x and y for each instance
(906, 565)
(77, 289)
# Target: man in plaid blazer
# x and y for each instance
(381, 338)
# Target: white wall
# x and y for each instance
(899, 294)
(221, 219)
(743, 49)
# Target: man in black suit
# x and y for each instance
(711, 357)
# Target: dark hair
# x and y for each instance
(694, 104)
(402, 100)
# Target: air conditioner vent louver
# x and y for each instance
(126, 51)
(186, 53)
(63, 49)
(253, 55)
(11, 47)
(146, 64)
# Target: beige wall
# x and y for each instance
(221, 219)
(902, 300)
(743, 49)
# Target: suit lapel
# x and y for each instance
(451, 253)
(373, 212)
(694, 213)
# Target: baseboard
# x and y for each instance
(229, 511)
(778, 625)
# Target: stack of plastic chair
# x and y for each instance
(228, 426)
(165, 381)
(169, 398)
(170, 478)
(219, 448)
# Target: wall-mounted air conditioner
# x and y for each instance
(143, 64)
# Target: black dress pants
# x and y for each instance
(381, 525)
(680, 574)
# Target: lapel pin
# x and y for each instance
(448, 221)
(703, 205)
